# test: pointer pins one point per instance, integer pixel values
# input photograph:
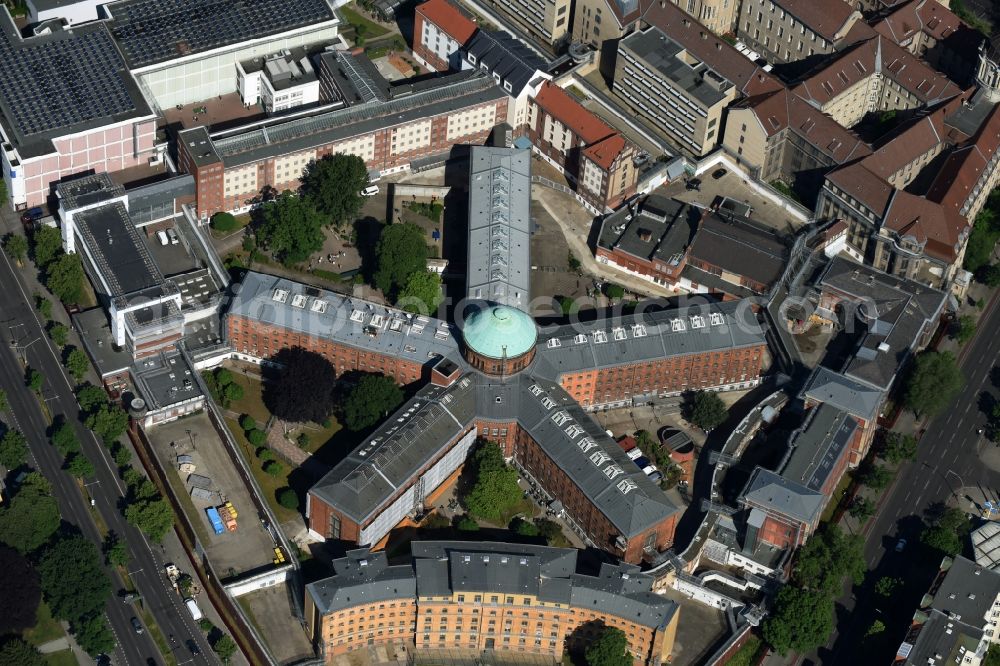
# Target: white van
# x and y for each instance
(162, 237)
(193, 609)
(370, 191)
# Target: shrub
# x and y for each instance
(247, 423)
(265, 454)
(288, 498)
(274, 468)
(257, 437)
(224, 222)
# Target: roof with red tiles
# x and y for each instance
(563, 107)
(927, 16)
(748, 77)
(939, 230)
(863, 185)
(963, 168)
(604, 152)
(448, 18)
(826, 18)
(883, 56)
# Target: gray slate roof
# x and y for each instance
(739, 246)
(505, 57)
(854, 397)
(236, 148)
(815, 448)
(941, 641)
(499, 263)
(771, 491)
(349, 321)
(647, 336)
(967, 590)
(362, 577)
(668, 224)
(63, 83)
(902, 311)
(439, 568)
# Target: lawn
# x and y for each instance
(241, 221)
(268, 484)
(318, 435)
(46, 627)
(372, 30)
(251, 403)
(62, 658)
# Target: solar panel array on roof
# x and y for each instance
(152, 31)
(60, 80)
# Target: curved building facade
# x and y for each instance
(499, 340)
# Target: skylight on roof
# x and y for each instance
(280, 295)
(626, 486)
(677, 325)
(580, 338)
(697, 321)
(717, 319)
(299, 301)
(638, 331)
(599, 458)
(561, 418)
(553, 343)
(600, 337)
(619, 333)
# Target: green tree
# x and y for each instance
(706, 410)
(933, 382)
(898, 447)
(93, 634)
(946, 531)
(115, 550)
(400, 252)
(73, 583)
(614, 291)
(15, 652)
(304, 391)
(263, 454)
(572, 263)
(79, 465)
(59, 334)
(247, 422)
(964, 329)
(91, 398)
(44, 306)
(291, 228)
(65, 278)
(121, 454)
(288, 498)
(146, 508)
(877, 627)
(64, 439)
(16, 247)
(21, 587)
(257, 437)
(46, 245)
(802, 620)
(231, 393)
(886, 586)
(225, 647)
(827, 557)
(862, 508)
(224, 222)
(523, 527)
(78, 364)
(495, 489)
(874, 476)
(609, 648)
(13, 449)
(334, 184)
(35, 380)
(274, 468)
(466, 523)
(31, 516)
(109, 422)
(421, 294)
(989, 275)
(4, 404)
(371, 400)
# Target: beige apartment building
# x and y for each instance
(673, 89)
(791, 30)
(719, 16)
(548, 21)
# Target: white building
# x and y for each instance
(186, 51)
(278, 82)
(71, 11)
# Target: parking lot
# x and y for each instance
(735, 185)
(232, 553)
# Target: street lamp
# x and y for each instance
(960, 482)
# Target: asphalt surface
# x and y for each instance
(947, 468)
(21, 325)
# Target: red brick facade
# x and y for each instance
(665, 376)
(209, 179)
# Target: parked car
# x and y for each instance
(901, 545)
(655, 477)
(719, 173)
(370, 191)
(137, 625)
(694, 184)
(32, 214)
(161, 236)
(172, 235)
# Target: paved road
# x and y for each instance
(106, 488)
(947, 468)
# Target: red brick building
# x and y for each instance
(440, 30)
(589, 152)
(231, 170)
